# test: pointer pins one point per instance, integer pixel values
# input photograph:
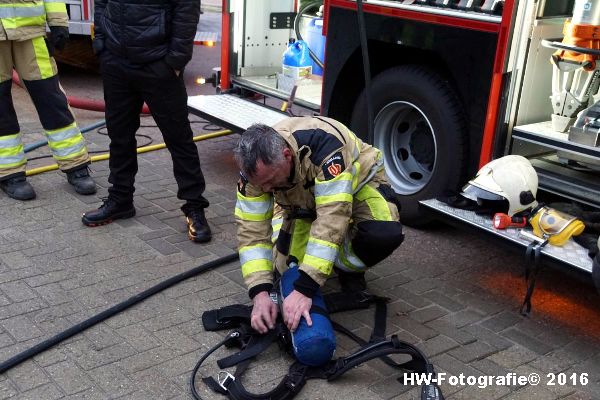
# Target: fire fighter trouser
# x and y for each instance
(37, 69)
(373, 234)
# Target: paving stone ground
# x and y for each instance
(452, 293)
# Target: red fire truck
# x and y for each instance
(454, 84)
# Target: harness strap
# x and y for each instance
(289, 386)
(298, 374)
(348, 301)
(256, 345)
(380, 322)
(228, 317)
(532, 269)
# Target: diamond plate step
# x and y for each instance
(205, 37)
(233, 112)
(571, 254)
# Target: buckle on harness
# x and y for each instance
(224, 378)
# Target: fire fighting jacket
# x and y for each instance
(330, 165)
(26, 19)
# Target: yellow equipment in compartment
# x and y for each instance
(555, 226)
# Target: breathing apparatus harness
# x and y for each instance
(251, 343)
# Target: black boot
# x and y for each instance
(81, 180)
(198, 229)
(351, 282)
(18, 188)
(108, 212)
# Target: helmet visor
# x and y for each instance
(475, 193)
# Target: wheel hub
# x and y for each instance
(406, 138)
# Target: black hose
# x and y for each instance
(229, 336)
(46, 344)
(299, 36)
(366, 67)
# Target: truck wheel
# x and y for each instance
(420, 129)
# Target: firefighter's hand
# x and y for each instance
(60, 36)
(264, 313)
(296, 306)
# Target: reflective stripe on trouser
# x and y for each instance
(68, 146)
(12, 156)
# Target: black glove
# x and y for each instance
(98, 45)
(60, 36)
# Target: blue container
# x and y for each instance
(296, 61)
(313, 345)
(316, 42)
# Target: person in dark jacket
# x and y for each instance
(143, 48)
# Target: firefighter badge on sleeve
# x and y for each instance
(333, 166)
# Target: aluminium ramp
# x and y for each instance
(571, 254)
(233, 112)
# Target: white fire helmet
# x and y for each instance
(511, 178)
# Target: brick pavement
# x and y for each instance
(54, 272)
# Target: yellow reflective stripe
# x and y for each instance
(18, 22)
(10, 140)
(322, 249)
(377, 204)
(11, 151)
(42, 57)
(65, 143)
(355, 175)
(70, 155)
(256, 266)
(334, 186)
(300, 238)
(324, 266)
(254, 208)
(57, 7)
(333, 198)
(12, 165)
(336, 189)
(256, 252)
(320, 254)
(276, 225)
(252, 217)
(347, 259)
(64, 128)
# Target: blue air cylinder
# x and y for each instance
(313, 345)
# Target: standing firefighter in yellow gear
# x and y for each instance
(23, 46)
(312, 192)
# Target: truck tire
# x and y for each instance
(421, 132)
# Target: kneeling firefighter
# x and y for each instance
(310, 193)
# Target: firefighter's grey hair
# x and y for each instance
(259, 142)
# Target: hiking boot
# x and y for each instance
(82, 181)
(18, 188)
(108, 212)
(352, 282)
(198, 229)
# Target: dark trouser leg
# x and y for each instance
(376, 240)
(64, 137)
(167, 100)
(12, 158)
(123, 106)
(8, 117)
